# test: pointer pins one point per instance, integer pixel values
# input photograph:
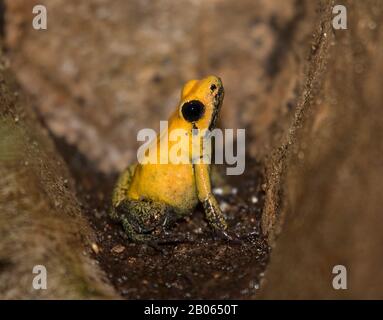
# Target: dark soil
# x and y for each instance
(198, 268)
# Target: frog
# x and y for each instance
(149, 197)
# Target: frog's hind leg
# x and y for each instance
(140, 218)
(121, 189)
(134, 235)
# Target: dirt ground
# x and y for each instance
(308, 97)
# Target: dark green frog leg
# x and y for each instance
(133, 235)
(141, 218)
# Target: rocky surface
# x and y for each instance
(41, 221)
(332, 169)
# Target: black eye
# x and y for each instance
(193, 110)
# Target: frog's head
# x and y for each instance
(201, 101)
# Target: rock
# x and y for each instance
(326, 207)
(33, 230)
(118, 249)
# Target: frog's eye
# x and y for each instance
(193, 110)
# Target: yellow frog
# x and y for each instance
(150, 196)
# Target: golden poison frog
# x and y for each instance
(151, 196)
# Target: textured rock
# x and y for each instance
(332, 170)
(40, 219)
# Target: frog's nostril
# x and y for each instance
(193, 110)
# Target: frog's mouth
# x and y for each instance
(218, 99)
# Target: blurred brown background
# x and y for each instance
(105, 69)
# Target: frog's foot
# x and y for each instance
(141, 218)
(214, 214)
(133, 235)
(217, 221)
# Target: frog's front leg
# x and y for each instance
(213, 212)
